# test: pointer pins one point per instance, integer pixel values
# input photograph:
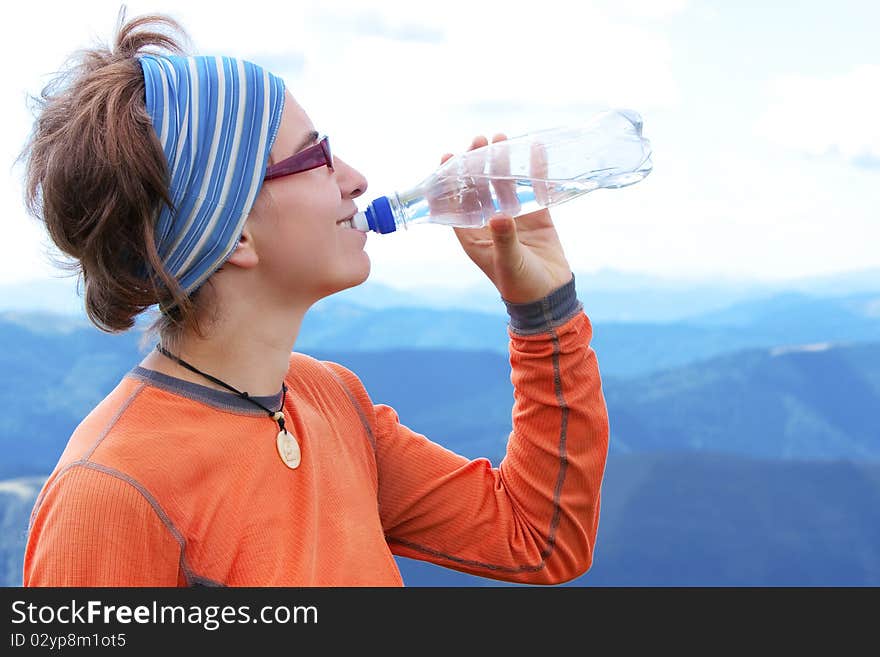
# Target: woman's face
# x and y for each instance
(303, 251)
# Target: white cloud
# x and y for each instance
(397, 83)
(826, 116)
(646, 9)
(565, 53)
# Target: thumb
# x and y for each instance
(503, 229)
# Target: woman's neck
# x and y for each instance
(253, 360)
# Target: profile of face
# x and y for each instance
(293, 240)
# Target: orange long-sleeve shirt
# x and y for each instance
(169, 483)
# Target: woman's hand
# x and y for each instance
(523, 258)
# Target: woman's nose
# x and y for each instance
(351, 181)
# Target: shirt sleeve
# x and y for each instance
(535, 517)
(93, 528)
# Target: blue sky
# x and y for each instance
(763, 117)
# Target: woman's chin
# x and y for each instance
(361, 266)
(356, 278)
(362, 278)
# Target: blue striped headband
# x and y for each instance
(216, 118)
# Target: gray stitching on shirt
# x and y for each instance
(563, 435)
(557, 493)
(112, 422)
(364, 421)
(468, 562)
(208, 396)
(191, 578)
(86, 456)
(159, 511)
(357, 406)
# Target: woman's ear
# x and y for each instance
(244, 255)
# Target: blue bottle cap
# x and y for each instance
(379, 215)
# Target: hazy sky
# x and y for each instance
(763, 116)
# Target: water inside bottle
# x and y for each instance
(471, 201)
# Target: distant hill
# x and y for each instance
(610, 295)
(673, 520)
(626, 349)
(809, 402)
(55, 295)
(17, 498)
(55, 374)
(780, 402)
(711, 520)
(817, 402)
(787, 312)
(744, 446)
(343, 326)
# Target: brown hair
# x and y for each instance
(96, 176)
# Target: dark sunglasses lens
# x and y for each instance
(325, 147)
(311, 158)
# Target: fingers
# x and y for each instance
(485, 198)
(538, 169)
(505, 188)
(478, 142)
(437, 197)
(476, 166)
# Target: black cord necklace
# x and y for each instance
(288, 447)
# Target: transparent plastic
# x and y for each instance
(520, 175)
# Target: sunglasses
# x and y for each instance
(309, 158)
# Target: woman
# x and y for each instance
(198, 184)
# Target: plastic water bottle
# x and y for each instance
(520, 175)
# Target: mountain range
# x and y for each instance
(610, 295)
(686, 519)
(783, 403)
(625, 348)
(744, 443)
(816, 401)
(705, 519)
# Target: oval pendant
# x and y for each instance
(288, 449)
